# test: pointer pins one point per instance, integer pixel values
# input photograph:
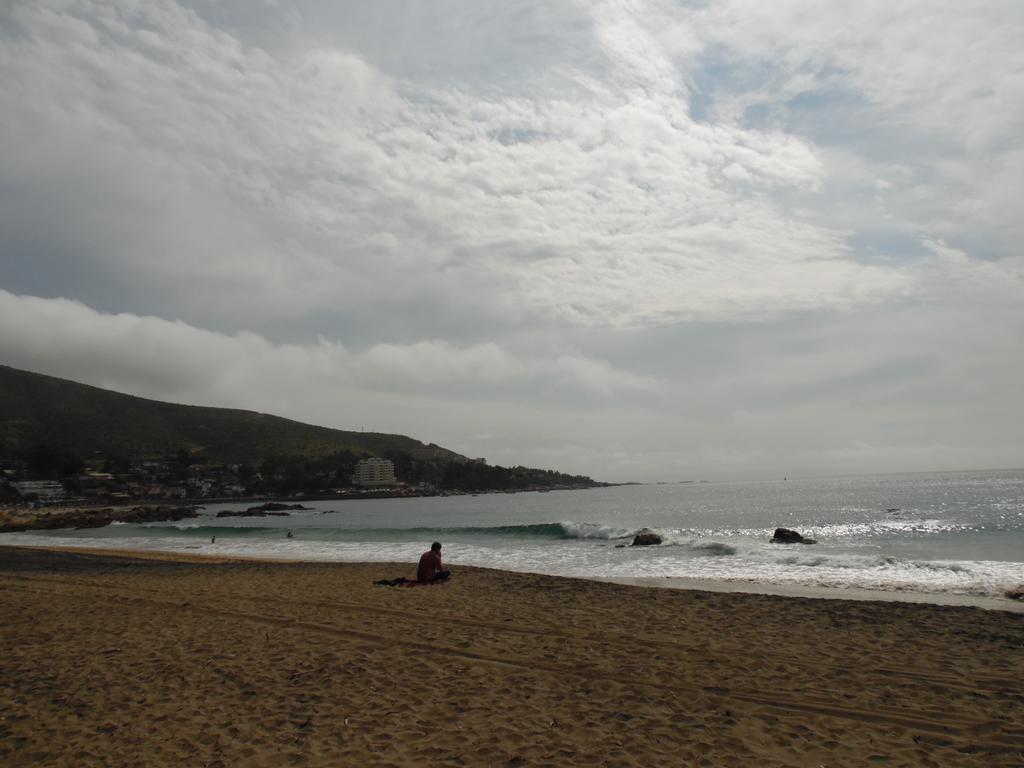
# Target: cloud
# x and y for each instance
(611, 237)
(138, 355)
(272, 179)
(925, 95)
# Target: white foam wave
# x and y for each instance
(578, 530)
(876, 572)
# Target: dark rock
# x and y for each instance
(251, 512)
(267, 509)
(97, 518)
(786, 536)
(158, 514)
(75, 519)
(1017, 593)
(646, 538)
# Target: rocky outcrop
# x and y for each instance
(646, 538)
(786, 536)
(268, 509)
(157, 514)
(1017, 593)
(95, 518)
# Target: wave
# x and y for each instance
(563, 530)
(697, 537)
(869, 563)
(713, 548)
(198, 529)
(575, 530)
(568, 530)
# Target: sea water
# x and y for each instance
(951, 533)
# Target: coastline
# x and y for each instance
(159, 659)
(827, 593)
(988, 602)
(948, 545)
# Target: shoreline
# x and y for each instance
(157, 659)
(854, 594)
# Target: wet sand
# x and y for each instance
(139, 660)
(828, 593)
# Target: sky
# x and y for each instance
(636, 240)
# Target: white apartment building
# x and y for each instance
(374, 473)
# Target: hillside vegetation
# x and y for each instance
(43, 410)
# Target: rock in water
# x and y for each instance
(275, 506)
(646, 538)
(251, 512)
(786, 536)
(1017, 593)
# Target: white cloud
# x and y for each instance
(137, 354)
(317, 174)
(933, 87)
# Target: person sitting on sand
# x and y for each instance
(430, 568)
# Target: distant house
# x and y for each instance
(374, 473)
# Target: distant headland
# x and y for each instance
(61, 441)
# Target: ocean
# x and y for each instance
(925, 535)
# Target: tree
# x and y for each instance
(117, 464)
(50, 462)
(405, 467)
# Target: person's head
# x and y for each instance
(435, 547)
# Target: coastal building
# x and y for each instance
(374, 473)
(44, 491)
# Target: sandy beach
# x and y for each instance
(118, 660)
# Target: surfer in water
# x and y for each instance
(430, 568)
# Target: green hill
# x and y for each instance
(43, 410)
